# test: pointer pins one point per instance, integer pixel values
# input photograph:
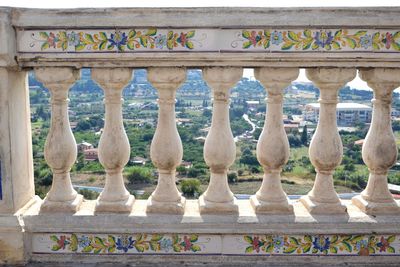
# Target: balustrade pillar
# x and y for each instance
(273, 145)
(326, 149)
(114, 148)
(379, 150)
(60, 148)
(219, 147)
(166, 148)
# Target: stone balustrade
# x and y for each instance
(320, 223)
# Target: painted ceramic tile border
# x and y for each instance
(206, 40)
(300, 245)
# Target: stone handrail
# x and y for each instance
(331, 43)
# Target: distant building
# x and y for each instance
(84, 146)
(138, 161)
(291, 127)
(347, 113)
(187, 164)
(91, 154)
(253, 104)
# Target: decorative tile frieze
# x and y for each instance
(208, 40)
(300, 245)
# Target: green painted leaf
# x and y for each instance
(151, 32)
(111, 249)
(314, 250)
(143, 41)
(248, 239)
(156, 237)
(334, 239)
(79, 47)
(246, 34)
(189, 45)
(327, 47)
(97, 251)
(55, 248)
(352, 43)
(44, 35)
(396, 35)
(154, 246)
(375, 46)
(87, 249)
(360, 33)
(195, 248)
(338, 33)
(333, 250)
(177, 248)
(307, 44)
(371, 250)
(74, 242)
(54, 238)
(139, 248)
(190, 34)
(103, 35)
(287, 46)
(266, 43)
(131, 34)
(396, 46)
(289, 250)
(356, 238)
(249, 249)
(64, 46)
(307, 33)
(89, 38)
(391, 238)
(247, 44)
(306, 248)
(308, 238)
(336, 46)
(391, 249)
(293, 36)
(110, 47)
(269, 248)
(293, 240)
(170, 35)
(194, 238)
(314, 46)
(103, 45)
(45, 46)
(347, 246)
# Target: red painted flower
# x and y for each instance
(52, 40)
(383, 245)
(256, 244)
(61, 242)
(389, 40)
(188, 244)
(253, 38)
(182, 38)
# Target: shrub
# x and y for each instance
(232, 177)
(190, 187)
(89, 194)
(139, 175)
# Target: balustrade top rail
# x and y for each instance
(196, 37)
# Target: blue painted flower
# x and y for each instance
(124, 243)
(323, 38)
(118, 39)
(276, 38)
(84, 241)
(73, 39)
(366, 41)
(361, 244)
(321, 243)
(278, 242)
(160, 41)
(166, 244)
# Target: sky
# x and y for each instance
(356, 83)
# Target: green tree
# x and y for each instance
(304, 136)
(139, 175)
(190, 187)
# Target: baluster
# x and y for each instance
(60, 148)
(166, 148)
(326, 149)
(273, 145)
(219, 147)
(379, 150)
(114, 148)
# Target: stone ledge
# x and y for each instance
(85, 220)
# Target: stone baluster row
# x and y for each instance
(379, 150)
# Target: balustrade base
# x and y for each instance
(71, 206)
(124, 206)
(154, 206)
(321, 208)
(376, 208)
(267, 207)
(209, 207)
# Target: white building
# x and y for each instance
(347, 113)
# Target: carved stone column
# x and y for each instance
(379, 150)
(60, 147)
(326, 149)
(219, 147)
(273, 145)
(166, 148)
(114, 148)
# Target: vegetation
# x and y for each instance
(190, 188)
